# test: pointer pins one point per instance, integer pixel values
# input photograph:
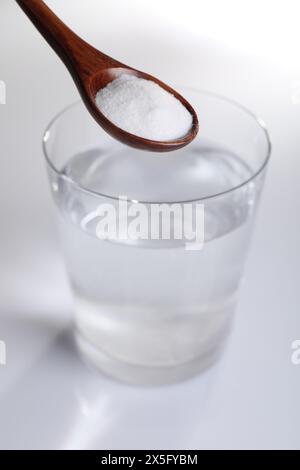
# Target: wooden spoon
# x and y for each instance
(92, 70)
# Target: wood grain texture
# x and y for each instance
(92, 70)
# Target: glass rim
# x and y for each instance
(259, 121)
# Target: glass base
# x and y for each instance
(135, 374)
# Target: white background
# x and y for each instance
(246, 50)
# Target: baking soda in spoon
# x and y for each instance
(138, 105)
(143, 108)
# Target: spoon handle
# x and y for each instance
(80, 58)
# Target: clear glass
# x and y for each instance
(151, 311)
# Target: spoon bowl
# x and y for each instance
(102, 79)
(92, 70)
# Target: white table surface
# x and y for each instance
(48, 397)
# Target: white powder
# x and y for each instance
(143, 108)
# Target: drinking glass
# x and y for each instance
(154, 310)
